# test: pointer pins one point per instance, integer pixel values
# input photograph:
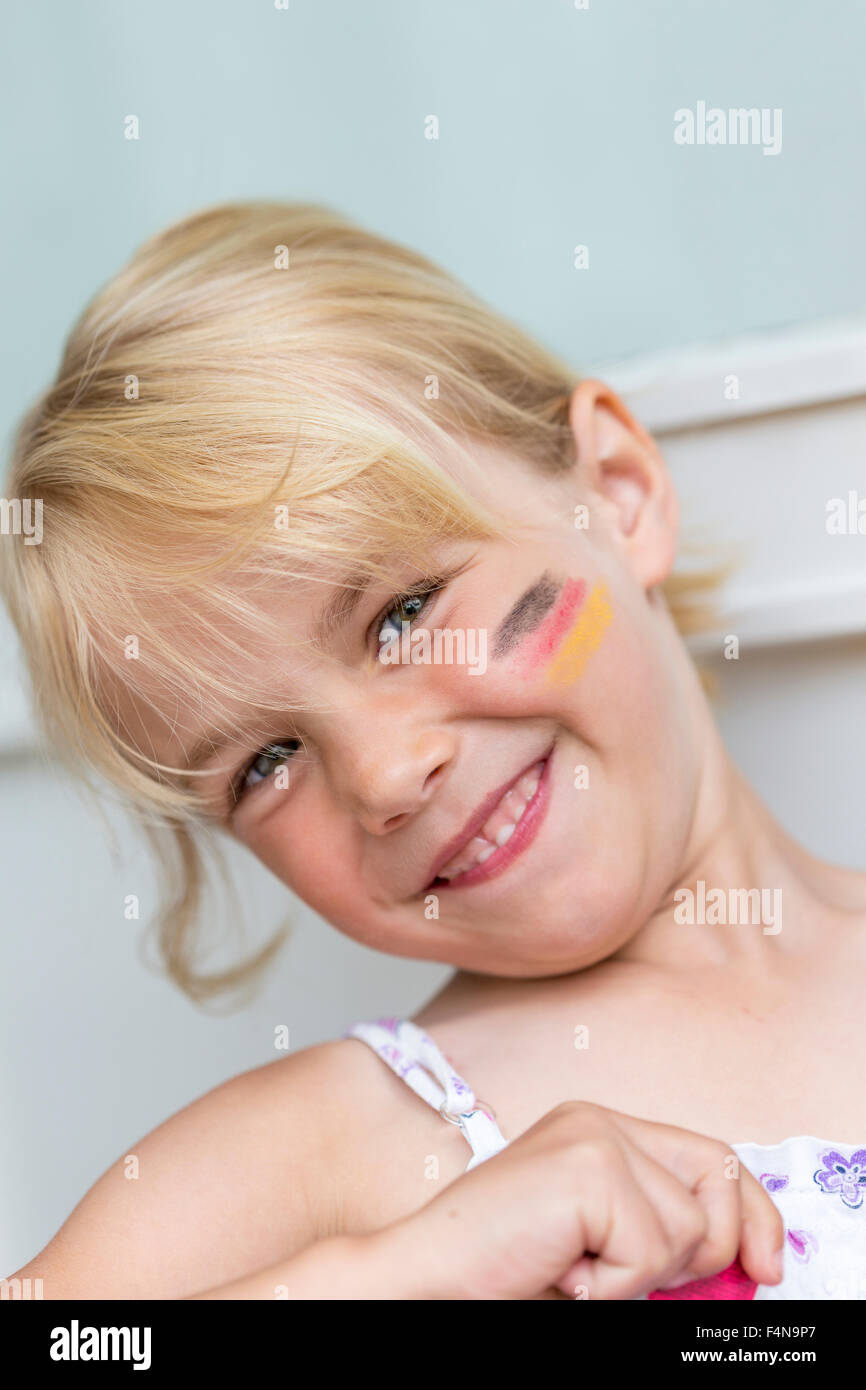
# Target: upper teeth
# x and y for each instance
(499, 826)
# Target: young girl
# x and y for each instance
(339, 561)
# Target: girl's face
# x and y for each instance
(515, 798)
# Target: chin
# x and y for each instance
(579, 945)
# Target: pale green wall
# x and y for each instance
(556, 128)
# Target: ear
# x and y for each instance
(620, 463)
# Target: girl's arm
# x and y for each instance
(376, 1266)
(247, 1193)
(574, 1207)
(234, 1182)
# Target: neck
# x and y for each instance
(745, 892)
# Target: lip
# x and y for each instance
(524, 832)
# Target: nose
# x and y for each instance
(389, 769)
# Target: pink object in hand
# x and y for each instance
(732, 1282)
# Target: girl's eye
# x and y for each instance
(266, 761)
(406, 607)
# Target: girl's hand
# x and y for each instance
(594, 1204)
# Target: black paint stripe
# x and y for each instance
(526, 614)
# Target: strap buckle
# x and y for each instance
(466, 1114)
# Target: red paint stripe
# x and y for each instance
(548, 637)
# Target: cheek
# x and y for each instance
(560, 647)
(600, 666)
(312, 856)
(530, 673)
(638, 722)
(557, 652)
(301, 850)
(610, 679)
(585, 634)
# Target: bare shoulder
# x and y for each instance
(242, 1177)
(391, 1152)
(324, 1141)
(381, 1152)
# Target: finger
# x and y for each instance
(724, 1190)
(684, 1218)
(762, 1238)
(743, 1220)
(719, 1181)
(625, 1250)
(681, 1151)
(718, 1191)
(618, 1274)
(705, 1165)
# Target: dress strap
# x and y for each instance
(414, 1057)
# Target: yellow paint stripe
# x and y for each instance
(582, 639)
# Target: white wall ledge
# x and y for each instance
(781, 370)
(785, 617)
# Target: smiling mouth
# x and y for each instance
(505, 832)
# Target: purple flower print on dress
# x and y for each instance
(847, 1176)
(774, 1182)
(803, 1244)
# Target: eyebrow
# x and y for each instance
(209, 745)
(333, 615)
(526, 613)
(340, 607)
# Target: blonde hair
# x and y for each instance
(260, 393)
